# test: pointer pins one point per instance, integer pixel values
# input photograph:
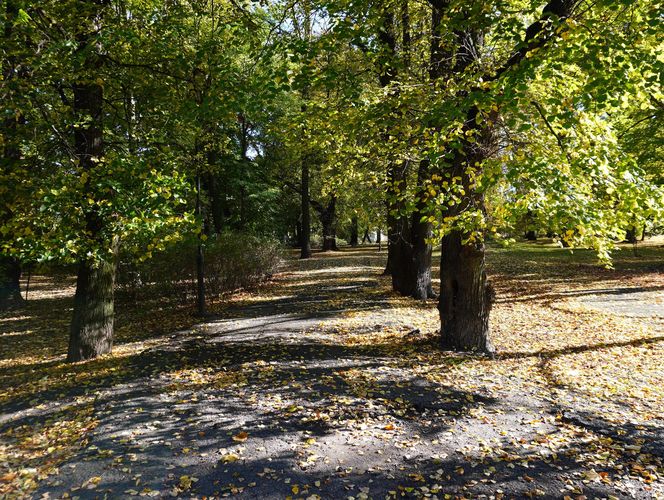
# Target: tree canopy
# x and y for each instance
(131, 125)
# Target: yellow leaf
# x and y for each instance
(230, 458)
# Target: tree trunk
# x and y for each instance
(215, 194)
(531, 235)
(10, 283)
(398, 233)
(379, 239)
(298, 232)
(387, 74)
(10, 267)
(465, 296)
(630, 235)
(354, 237)
(411, 264)
(200, 256)
(305, 198)
(328, 219)
(243, 208)
(390, 251)
(91, 332)
(402, 253)
(421, 231)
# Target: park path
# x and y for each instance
(267, 401)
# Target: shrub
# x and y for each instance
(232, 262)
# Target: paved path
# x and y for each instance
(631, 302)
(262, 404)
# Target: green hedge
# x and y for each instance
(232, 262)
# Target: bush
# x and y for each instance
(232, 262)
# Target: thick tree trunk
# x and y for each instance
(411, 252)
(354, 236)
(379, 239)
(10, 283)
(328, 219)
(531, 235)
(91, 332)
(388, 73)
(10, 267)
(421, 232)
(630, 235)
(402, 265)
(305, 242)
(465, 296)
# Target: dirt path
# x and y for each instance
(274, 399)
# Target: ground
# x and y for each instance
(323, 383)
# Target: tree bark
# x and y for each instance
(328, 219)
(630, 235)
(531, 235)
(354, 237)
(465, 296)
(200, 256)
(10, 267)
(387, 74)
(366, 236)
(421, 231)
(390, 251)
(10, 283)
(215, 194)
(91, 332)
(305, 245)
(298, 232)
